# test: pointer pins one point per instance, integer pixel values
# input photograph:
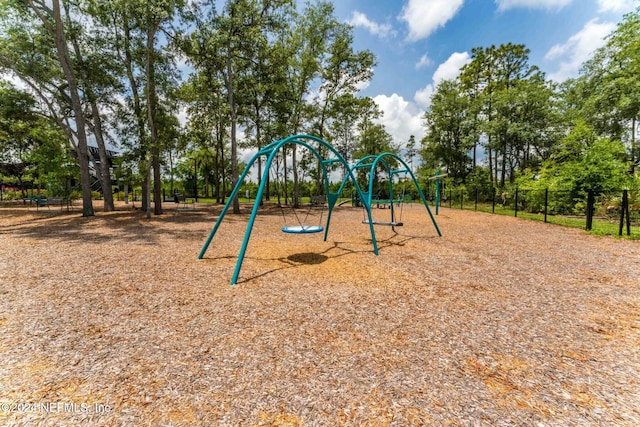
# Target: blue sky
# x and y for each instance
(421, 42)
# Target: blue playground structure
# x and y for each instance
(270, 151)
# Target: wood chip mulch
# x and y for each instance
(113, 321)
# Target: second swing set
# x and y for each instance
(383, 161)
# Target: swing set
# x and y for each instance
(315, 145)
(386, 161)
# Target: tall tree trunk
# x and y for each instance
(171, 189)
(296, 179)
(490, 156)
(153, 127)
(634, 159)
(284, 185)
(503, 163)
(147, 185)
(259, 144)
(137, 104)
(105, 173)
(144, 199)
(102, 172)
(234, 120)
(219, 168)
(67, 68)
(157, 181)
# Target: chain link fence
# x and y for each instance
(612, 213)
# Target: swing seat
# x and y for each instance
(302, 229)
(392, 224)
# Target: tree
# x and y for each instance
(608, 91)
(582, 161)
(372, 138)
(306, 43)
(57, 31)
(17, 120)
(139, 35)
(49, 23)
(348, 111)
(30, 144)
(411, 150)
(447, 123)
(94, 72)
(342, 70)
(120, 18)
(510, 110)
(236, 32)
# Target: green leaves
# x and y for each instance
(582, 161)
(607, 93)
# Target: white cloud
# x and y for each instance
(359, 19)
(423, 96)
(425, 16)
(578, 49)
(533, 4)
(401, 118)
(448, 70)
(423, 62)
(616, 6)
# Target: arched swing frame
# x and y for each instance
(372, 162)
(270, 151)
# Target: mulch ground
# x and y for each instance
(113, 321)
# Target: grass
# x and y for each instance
(600, 226)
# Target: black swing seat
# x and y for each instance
(302, 229)
(392, 224)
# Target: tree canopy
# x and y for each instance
(528, 130)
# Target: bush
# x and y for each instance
(12, 195)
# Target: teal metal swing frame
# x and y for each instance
(270, 151)
(385, 160)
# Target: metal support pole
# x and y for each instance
(437, 191)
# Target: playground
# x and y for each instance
(113, 320)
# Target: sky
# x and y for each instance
(419, 43)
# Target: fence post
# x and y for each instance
(590, 209)
(450, 198)
(546, 203)
(625, 211)
(476, 206)
(493, 201)
(516, 207)
(462, 199)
